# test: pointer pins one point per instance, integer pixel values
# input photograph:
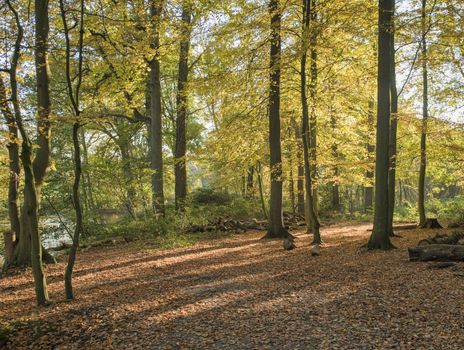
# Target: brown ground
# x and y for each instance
(244, 293)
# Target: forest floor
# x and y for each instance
(241, 292)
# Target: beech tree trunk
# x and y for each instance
(393, 133)
(30, 213)
(425, 108)
(300, 181)
(336, 170)
(250, 190)
(369, 189)
(156, 136)
(14, 169)
(310, 207)
(41, 162)
(129, 178)
(259, 171)
(180, 170)
(86, 180)
(380, 238)
(276, 227)
(74, 98)
(313, 116)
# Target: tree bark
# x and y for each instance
(85, 171)
(393, 133)
(250, 190)
(276, 227)
(14, 168)
(300, 181)
(425, 107)
(310, 207)
(369, 190)
(156, 136)
(336, 170)
(313, 116)
(129, 178)
(259, 171)
(41, 162)
(180, 169)
(74, 97)
(380, 238)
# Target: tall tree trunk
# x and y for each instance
(276, 227)
(300, 180)
(78, 211)
(336, 170)
(380, 238)
(74, 97)
(313, 116)
(156, 136)
(129, 178)
(291, 189)
(425, 108)
(310, 207)
(14, 169)
(259, 171)
(393, 133)
(369, 190)
(180, 165)
(250, 190)
(41, 162)
(85, 171)
(30, 212)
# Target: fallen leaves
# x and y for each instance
(243, 293)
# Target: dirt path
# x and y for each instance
(244, 293)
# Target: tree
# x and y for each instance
(14, 168)
(425, 108)
(368, 189)
(313, 95)
(393, 132)
(156, 136)
(180, 163)
(74, 98)
(311, 211)
(29, 235)
(380, 236)
(275, 228)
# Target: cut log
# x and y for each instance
(437, 252)
(431, 223)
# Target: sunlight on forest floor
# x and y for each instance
(242, 292)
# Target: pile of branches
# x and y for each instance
(227, 224)
(293, 219)
(441, 247)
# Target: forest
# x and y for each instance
(244, 174)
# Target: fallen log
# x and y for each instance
(444, 238)
(436, 252)
(402, 227)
